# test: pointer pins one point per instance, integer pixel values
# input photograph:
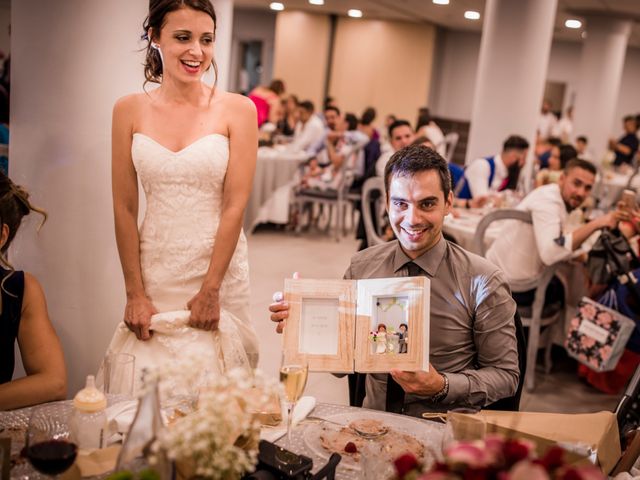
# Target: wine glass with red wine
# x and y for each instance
(48, 447)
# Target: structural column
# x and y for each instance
(512, 70)
(224, 39)
(603, 55)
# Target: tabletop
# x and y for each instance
(305, 438)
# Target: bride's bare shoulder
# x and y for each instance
(234, 100)
(133, 102)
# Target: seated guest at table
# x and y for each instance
(457, 173)
(425, 126)
(400, 135)
(492, 174)
(627, 145)
(342, 143)
(372, 149)
(523, 250)
(267, 101)
(582, 148)
(287, 124)
(559, 158)
(23, 316)
(543, 150)
(471, 306)
(310, 131)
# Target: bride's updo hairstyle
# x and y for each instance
(158, 10)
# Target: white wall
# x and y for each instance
(64, 85)
(452, 92)
(249, 25)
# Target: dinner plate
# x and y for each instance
(426, 432)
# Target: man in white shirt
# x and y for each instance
(310, 131)
(564, 128)
(490, 174)
(523, 250)
(546, 122)
(401, 135)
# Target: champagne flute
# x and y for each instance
(293, 376)
(48, 447)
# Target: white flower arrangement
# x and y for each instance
(219, 439)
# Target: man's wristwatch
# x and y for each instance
(442, 394)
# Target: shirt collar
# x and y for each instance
(428, 261)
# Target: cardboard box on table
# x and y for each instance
(597, 430)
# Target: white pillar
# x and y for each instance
(603, 55)
(69, 65)
(224, 40)
(512, 69)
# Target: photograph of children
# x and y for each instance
(389, 325)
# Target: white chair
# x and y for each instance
(330, 198)
(370, 187)
(534, 316)
(450, 141)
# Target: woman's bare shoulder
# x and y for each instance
(133, 102)
(235, 101)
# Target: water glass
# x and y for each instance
(119, 374)
(463, 424)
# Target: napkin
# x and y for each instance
(120, 417)
(303, 408)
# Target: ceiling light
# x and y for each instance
(355, 13)
(441, 2)
(573, 23)
(316, 2)
(277, 6)
(472, 15)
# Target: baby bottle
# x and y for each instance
(89, 420)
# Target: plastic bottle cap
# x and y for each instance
(90, 399)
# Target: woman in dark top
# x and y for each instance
(23, 316)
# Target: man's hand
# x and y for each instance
(478, 202)
(611, 219)
(425, 384)
(279, 313)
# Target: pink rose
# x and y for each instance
(582, 358)
(587, 342)
(575, 323)
(604, 319)
(525, 470)
(595, 362)
(467, 453)
(605, 352)
(588, 311)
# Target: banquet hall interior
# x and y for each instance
(550, 72)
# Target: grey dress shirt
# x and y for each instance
(472, 329)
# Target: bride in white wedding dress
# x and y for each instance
(194, 151)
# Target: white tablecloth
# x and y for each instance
(269, 200)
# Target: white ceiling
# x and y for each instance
(452, 15)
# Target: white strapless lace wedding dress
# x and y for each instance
(184, 201)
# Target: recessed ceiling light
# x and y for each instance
(277, 6)
(355, 13)
(316, 2)
(472, 15)
(441, 2)
(573, 23)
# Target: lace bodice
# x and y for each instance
(184, 200)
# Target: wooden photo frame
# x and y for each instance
(372, 325)
(392, 303)
(321, 323)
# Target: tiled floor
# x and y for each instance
(275, 255)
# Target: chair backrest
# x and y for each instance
(373, 195)
(512, 404)
(500, 214)
(451, 141)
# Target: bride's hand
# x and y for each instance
(137, 316)
(205, 310)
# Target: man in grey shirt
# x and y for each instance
(473, 350)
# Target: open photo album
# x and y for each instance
(345, 326)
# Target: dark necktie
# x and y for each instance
(395, 394)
